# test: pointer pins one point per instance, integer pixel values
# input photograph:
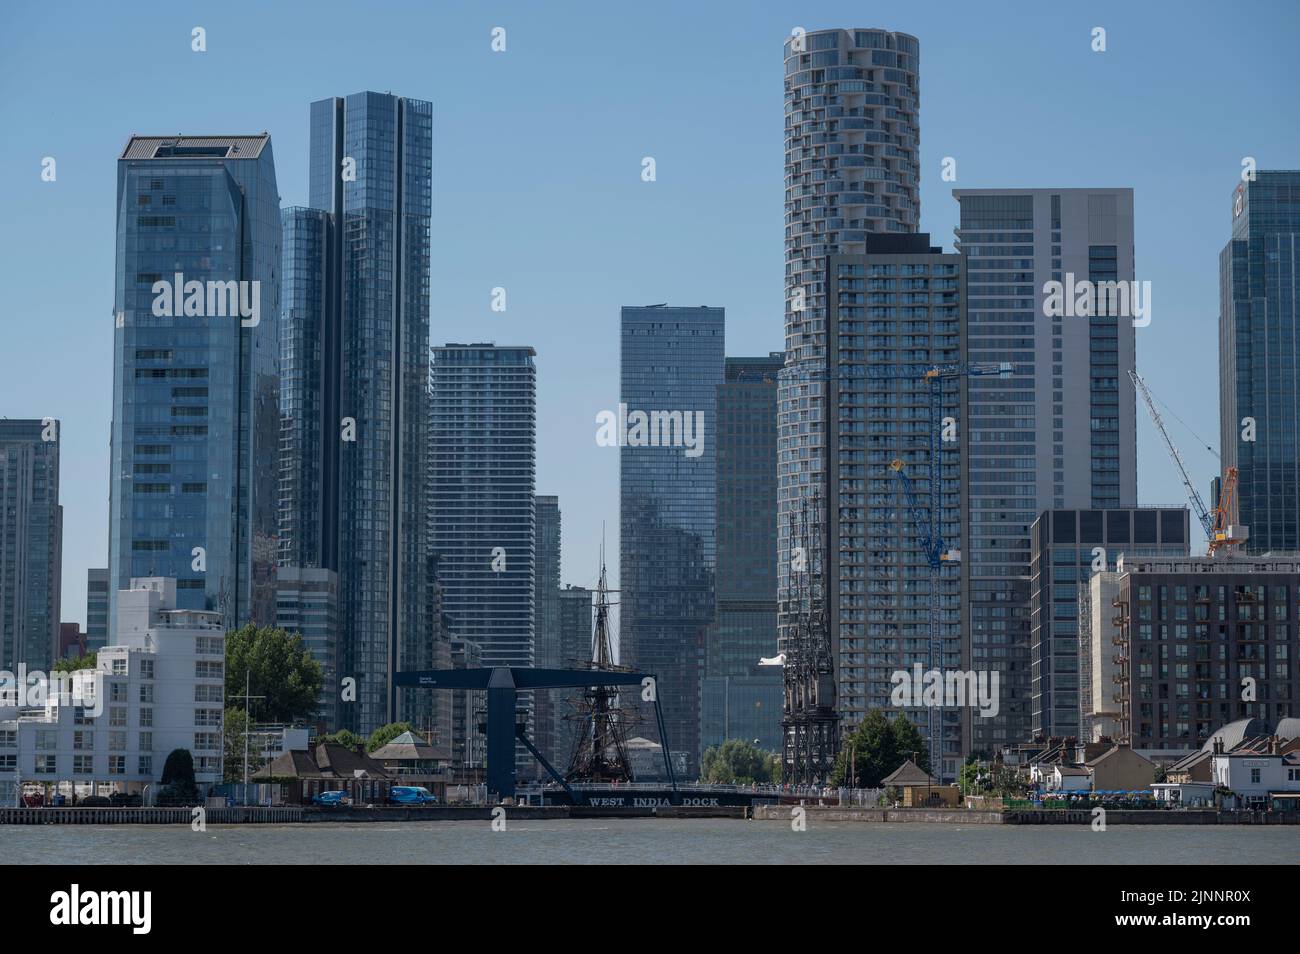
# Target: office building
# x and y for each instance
(741, 699)
(1059, 433)
(195, 373)
(852, 153)
(31, 544)
(353, 401)
(468, 717)
(1259, 395)
(576, 652)
(307, 603)
(1204, 642)
(96, 608)
(1069, 548)
(671, 364)
(547, 625)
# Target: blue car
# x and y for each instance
(334, 799)
(411, 795)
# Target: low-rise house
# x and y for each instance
(1121, 769)
(1068, 778)
(919, 789)
(329, 767)
(1254, 777)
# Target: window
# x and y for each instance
(146, 668)
(116, 741)
(146, 765)
(146, 717)
(83, 765)
(117, 716)
(1254, 776)
(117, 765)
(47, 738)
(46, 765)
(83, 740)
(146, 692)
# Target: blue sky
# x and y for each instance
(537, 188)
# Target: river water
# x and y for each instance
(649, 841)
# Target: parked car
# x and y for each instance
(411, 795)
(95, 801)
(334, 799)
(123, 800)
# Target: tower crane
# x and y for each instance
(1222, 532)
(929, 535)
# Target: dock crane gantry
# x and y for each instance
(1222, 532)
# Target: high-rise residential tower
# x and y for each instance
(195, 394)
(852, 152)
(353, 400)
(671, 364)
(483, 467)
(31, 544)
(1259, 393)
(740, 698)
(1060, 432)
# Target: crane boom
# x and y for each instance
(1202, 512)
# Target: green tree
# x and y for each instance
(344, 737)
(738, 762)
(178, 785)
(88, 661)
(386, 733)
(876, 748)
(235, 727)
(278, 667)
(910, 744)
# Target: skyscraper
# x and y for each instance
(195, 394)
(483, 433)
(852, 148)
(741, 699)
(1059, 433)
(671, 365)
(1259, 393)
(547, 624)
(353, 401)
(897, 304)
(575, 630)
(31, 544)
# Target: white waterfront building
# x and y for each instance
(158, 685)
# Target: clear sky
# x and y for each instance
(537, 185)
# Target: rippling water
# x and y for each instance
(649, 841)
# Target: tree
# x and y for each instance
(178, 785)
(386, 733)
(277, 666)
(738, 762)
(235, 727)
(876, 748)
(344, 737)
(88, 661)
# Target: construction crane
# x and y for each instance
(1222, 532)
(929, 535)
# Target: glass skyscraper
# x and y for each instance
(1259, 309)
(741, 699)
(852, 148)
(195, 393)
(1059, 433)
(671, 365)
(353, 400)
(31, 544)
